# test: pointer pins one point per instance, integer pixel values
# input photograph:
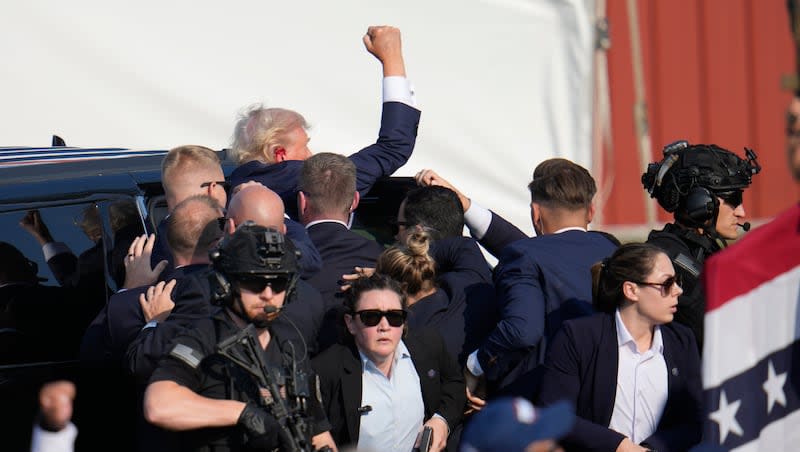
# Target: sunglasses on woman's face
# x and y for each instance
(257, 284)
(372, 317)
(666, 286)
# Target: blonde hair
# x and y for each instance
(410, 264)
(182, 158)
(259, 131)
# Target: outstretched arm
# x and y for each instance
(400, 118)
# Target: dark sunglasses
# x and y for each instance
(731, 198)
(372, 317)
(666, 286)
(222, 183)
(257, 284)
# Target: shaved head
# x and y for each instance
(259, 204)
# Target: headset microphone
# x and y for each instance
(745, 226)
(269, 309)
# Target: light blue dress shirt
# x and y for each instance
(397, 408)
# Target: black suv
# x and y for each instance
(92, 202)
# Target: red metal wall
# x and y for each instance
(712, 71)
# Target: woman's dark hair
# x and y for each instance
(410, 264)
(630, 262)
(367, 283)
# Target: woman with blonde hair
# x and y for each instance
(447, 285)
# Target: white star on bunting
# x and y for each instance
(774, 388)
(725, 416)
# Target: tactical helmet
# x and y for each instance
(255, 250)
(686, 167)
(252, 251)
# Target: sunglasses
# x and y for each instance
(257, 284)
(731, 198)
(666, 286)
(222, 183)
(372, 317)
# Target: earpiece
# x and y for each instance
(701, 205)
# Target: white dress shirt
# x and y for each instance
(641, 386)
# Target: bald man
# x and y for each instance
(257, 203)
(305, 308)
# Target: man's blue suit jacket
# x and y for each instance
(581, 368)
(396, 140)
(540, 282)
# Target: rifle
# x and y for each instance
(244, 350)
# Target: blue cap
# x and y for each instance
(511, 424)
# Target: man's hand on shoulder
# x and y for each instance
(384, 42)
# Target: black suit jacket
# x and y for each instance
(339, 370)
(341, 249)
(581, 367)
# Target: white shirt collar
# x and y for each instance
(571, 228)
(624, 336)
(327, 221)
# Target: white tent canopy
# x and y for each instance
(503, 84)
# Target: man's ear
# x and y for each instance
(590, 213)
(536, 216)
(302, 202)
(280, 154)
(230, 226)
(356, 199)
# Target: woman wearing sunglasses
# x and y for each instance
(631, 373)
(382, 388)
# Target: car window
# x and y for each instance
(49, 294)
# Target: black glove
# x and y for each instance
(261, 427)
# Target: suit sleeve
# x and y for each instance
(461, 255)
(561, 380)
(500, 234)
(522, 311)
(396, 140)
(454, 394)
(689, 400)
(150, 345)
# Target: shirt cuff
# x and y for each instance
(397, 88)
(445, 422)
(473, 365)
(60, 441)
(478, 219)
(150, 324)
(51, 249)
